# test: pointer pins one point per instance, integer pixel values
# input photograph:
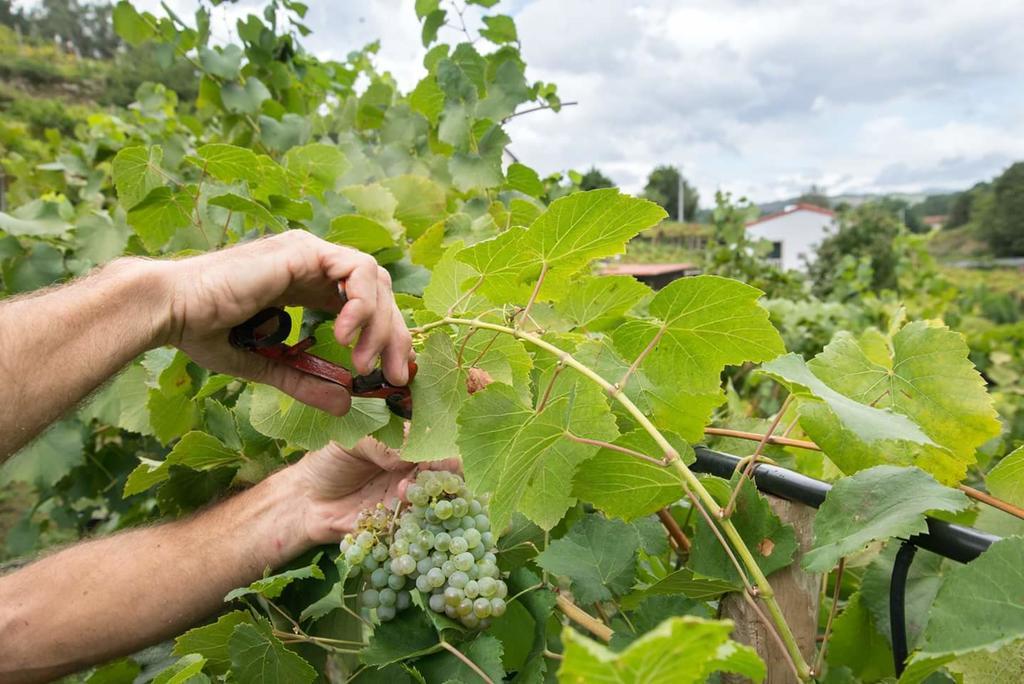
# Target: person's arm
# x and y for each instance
(110, 597)
(59, 345)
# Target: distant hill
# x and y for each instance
(854, 200)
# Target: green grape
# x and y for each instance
(472, 589)
(416, 495)
(443, 509)
(487, 569)
(370, 563)
(424, 565)
(379, 553)
(365, 539)
(386, 613)
(463, 561)
(468, 523)
(465, 607)
(448, 567)
(452, 596)
(346, 543)
(436, 603)
(472, 538)
(433, 486)
(475, 508)
(388, 597)
(370, 598)
(487, 586)
(379, 578)
(423, 584)
(451, 612)
(417, 552)
(425, 539)
(452, 484)
(502, 589)
(471, 621)
(441, 541)
(457, 546)
(399, 547)
(489, 557)
(460, 507)
(458, 579)
(498, 607)
(436, 578)
(482, 608)
(403, 601)
(451, 524)
(396, 582)
(483, 523)
(477, 552)
(437, 559)
(355, 555)
(487, 539)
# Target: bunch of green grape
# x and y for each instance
(440, 545)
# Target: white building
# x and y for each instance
(795, 233)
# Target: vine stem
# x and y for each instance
(615, 447)
(583, 618)
(465, 659)
(819, 661)
(976, 494)
(691, 483)
(747, 469)
(675, 531)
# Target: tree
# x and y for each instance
(900, 209)
(1003, 225)
(865, 238)
(88, 27)
(815, 195)
(962, 208)
(594, 179)
(663, 188)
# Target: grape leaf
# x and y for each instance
(598, 555)
(596, 303)
(223, 63)
(244, 98)
(980, 667)
(427, 98)
(924, 373)
(159, 216)
(275, 414)
(438, 392)
(874, 504)
(572, 232)
(771, 542)
(98, 238)
(136, 172)
(120, 671)
(524, 179)
(409, 635)
(231, 163)
(683, 582)
(47, 460)
(40, 217)
(857, 644)
(359, 233)
(923, 582)
(680, 650)
(484, 651)
(984, 594)
(868, 423)
(314, 168)
(445, 289)
(499, 29)
(272, 586)
(258, 656)
(244, 205)
(187, 670)
(1006, 479)
(420, 201)
(704, 324)
(195, 450)
(211, 641)
(627, 487)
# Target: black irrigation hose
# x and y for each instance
(897, 604)
(956, 542)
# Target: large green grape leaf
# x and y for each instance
(359, 233)
(46, 461)
(444, 291)
(598, 555)
(1006, 479)
(211, 641)
(772, 543)
(598, 302)
(878, 503)
(196, 450)
(984, 594)
(230, 163)
(525, 180)
(99, 238)
(136, 171)
(923, 373)
(683, 582)
(484, 651)
(680, 650)
(258, 656)
(244, 98)
(701, 325)
(275, 414)
(40, 217)
(244, 205)
(923, 581)
(627, 487)
(421, 203)
(187, 670)
(271, 587)
(573, 231)
(409, 635)
(857, 644)
(159, 216)
(314, 168)
(981, 667)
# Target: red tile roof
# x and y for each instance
(800, 206)
(645, 269)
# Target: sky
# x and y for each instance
(759, 97)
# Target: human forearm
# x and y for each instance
(59, 345)
(112, 596)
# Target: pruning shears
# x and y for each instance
(265, 333)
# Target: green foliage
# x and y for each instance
(600, 385)
(1002, 226)
(863, 244)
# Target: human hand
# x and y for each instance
(332, 485)
(212, 293)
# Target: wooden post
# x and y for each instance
(797, 592)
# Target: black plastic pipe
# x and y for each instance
(897, 605)
(956, 542)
